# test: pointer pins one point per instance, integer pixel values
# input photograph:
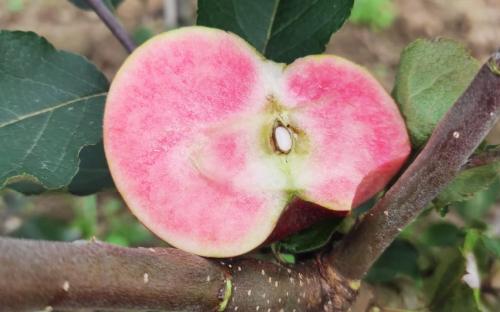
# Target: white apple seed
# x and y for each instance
(283, 139)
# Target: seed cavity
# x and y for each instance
(282, 138)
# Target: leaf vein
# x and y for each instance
(295, 19)
(271, 24)
(36, 140)
(50, 109)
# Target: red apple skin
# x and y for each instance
(190, 137)
(300, 215)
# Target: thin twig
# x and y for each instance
(453, 141)
(112, 23)
(171, 13)
(484, 158)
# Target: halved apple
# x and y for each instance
(209, 143)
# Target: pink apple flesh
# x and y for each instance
(209, 143)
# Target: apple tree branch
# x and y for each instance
(40, 275)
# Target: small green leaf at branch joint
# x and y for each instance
(310, 239)
(432, 75)
(228, 290)
(468, 183)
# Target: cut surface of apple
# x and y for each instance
(208, 142)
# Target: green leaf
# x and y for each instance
(475, 208)
(51, 107)
(15, 5)
(492, 244)
(468, 183)
(26, 185)
(472, 237)
(141, 34)
(459, 299)
(116, 240)
(282, 257)
(378, 14)
(85, 220)
(431, 77)
(400, 258)
(446, 276)
(310, 239)
(281, 30)
(122, 228)
(45, 227)
(82, 4)
(93, 173)
(486, 249)
(445, 289)
(442, 234)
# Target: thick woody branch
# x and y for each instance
(38, 275)
(112, 23)
(453, 141)
(267, 286)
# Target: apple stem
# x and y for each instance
(228, 290)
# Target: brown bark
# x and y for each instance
(266, 286)
(38, 275)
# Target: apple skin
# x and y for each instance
(217, 150)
